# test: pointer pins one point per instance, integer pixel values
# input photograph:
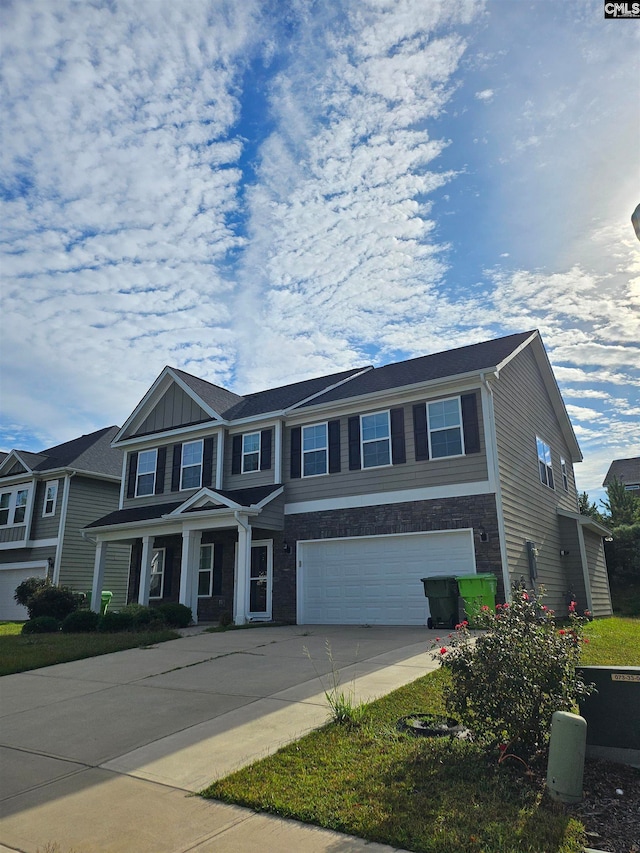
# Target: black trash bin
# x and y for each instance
(442, 592)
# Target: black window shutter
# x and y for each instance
(398, 451)
(207, 461)
(161, 463)
(236, 454)
(470, 423)
(175, 470)
(217, 569)
(354, 444)
(420, 431)
(296, 451)
(133, 470)
(265, 450)
(333, 430)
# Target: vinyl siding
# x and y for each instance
(26, 555)
(408, 475)
(174, 409)
(251, 478)
(523, 411)
(166, 496)
(598, 574)
(89, 499)
(272, 516)
(13, 533)
(46, 528)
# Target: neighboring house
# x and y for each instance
(327, 501)
(627, 471)
(46, 499)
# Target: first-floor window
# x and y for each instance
(209, 571)
(544, 463)
(50, 497)
(314, 450)
(251, 452)
(156, 588)
(376, 440)
(146, 474)
(445, 428)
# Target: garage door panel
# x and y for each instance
(10, 578)
(376, 580)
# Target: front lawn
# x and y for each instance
(21, 653)
(425, 794)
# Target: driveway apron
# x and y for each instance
(101, 754)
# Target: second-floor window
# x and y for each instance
(544, 463)
(191, 471)
(314, 450)
(146, 475)
(50, 498)
(444, 419)
(251, 452)
(375, 432)
(565, 474)
(13, 506)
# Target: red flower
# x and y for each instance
(443, 650)
(465, 623)
(505, 606)
(502, 747)
(562, 632)
(585, 639)
(498, 607)
(484, 607)
(525, 596)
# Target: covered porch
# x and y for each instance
(214, 552)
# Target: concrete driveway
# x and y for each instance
(100, 754)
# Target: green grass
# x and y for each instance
(21, 653)
(425, 794)
(613, 641)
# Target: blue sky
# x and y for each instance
(260, 192)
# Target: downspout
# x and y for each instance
(494, 475)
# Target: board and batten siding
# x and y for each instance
(90, 499)
(174, 409)
(411, 474)
(166, 495)
(523, 410)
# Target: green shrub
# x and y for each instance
(113, 622)
(143, 617)
(80, 622)
(56, 601)
(176, 615)
(506, 685)
(226, 619)
(41, 625)
(25, 590)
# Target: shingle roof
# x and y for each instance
(276, 399)
(92, 452)
(220, 399)
(243, 497)
(426, 368)
(626, 470)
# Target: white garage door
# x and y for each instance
(9, 580)
(375, 580)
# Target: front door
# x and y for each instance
(260, 578)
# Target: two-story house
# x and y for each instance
(327, 500)
(46, 499)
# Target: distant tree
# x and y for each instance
(621, 506)
(590, 508)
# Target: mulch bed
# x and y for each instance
(611, 819)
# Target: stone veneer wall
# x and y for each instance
(443, 514)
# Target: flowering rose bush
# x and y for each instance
(507, 682)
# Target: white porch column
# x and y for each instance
(98, 575)
(145, 571)
(244, 567)
(189, 570)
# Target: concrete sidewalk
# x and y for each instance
(102, 754)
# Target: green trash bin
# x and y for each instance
(477, 590)
(105, 599)
(442, 592)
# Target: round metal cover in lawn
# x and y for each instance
(429, 725)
